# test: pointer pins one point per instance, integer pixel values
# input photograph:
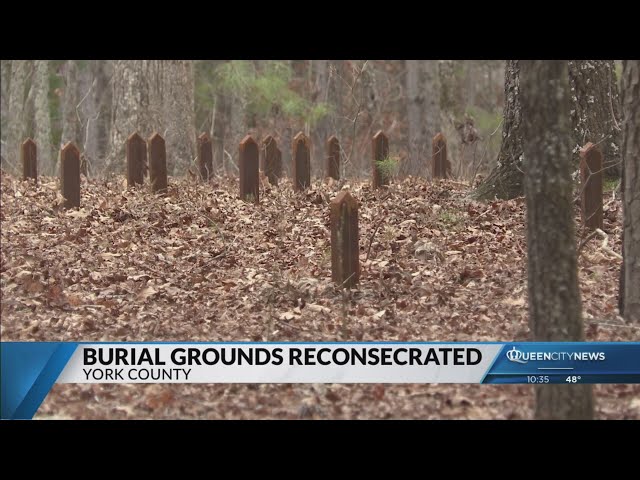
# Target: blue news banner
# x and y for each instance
(30, 369)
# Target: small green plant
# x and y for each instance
(449, 218)
(388, 166)
(610, 184)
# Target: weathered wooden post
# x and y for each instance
(136, 159)
(439, 157)
(157, 164)
(205, 157)
(70, 175)
(591, 177)
(333, 158)
(29, 155)
(345, 250)
(301, 162)
(380, 146)
(271, 160)
(249, 170)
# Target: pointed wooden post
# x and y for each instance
(345, 250)
(301, 162)
(29, 154)
(380, 146)
(591, 177)
(333, 158)
(249, 170)
(136, 159)
(157, 164)
(439, 157)
(70, 175)
(271, 160)
(205, 157)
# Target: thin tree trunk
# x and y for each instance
(70, 124)
(505, 181)
(42, 115)
(554, 297)
(595, 111)
(16, 120)
(321, 130)
(431, 95)
(179, 115)
(631, 190)
(415, 106)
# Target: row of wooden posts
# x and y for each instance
(345, 263)
(151, 155)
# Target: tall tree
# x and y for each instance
(70, 123)
(505, 180)
(415, 107)
(15, 112)
(42, 115)
(320, 93)
(595, 111)
(630, 277)
(554, 297)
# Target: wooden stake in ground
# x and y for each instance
(380, 147)
(439, 157)
(29, 154)
(345, 249)
(70, 175)
(301, 162)
(205, 157)
(333, 158)
(157, 164)
(136, 159)
(271, 160)
(249, 170)
(591, 177)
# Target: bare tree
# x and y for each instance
(554, 297)
(630, 276)
(595, 110)
(70, 123)
(415, 107)
(16, 123)
(42, 115)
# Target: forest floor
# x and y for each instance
(202, 265)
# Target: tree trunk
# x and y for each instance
(131, 98)
(16, 120)
(415, 106)
(631, 190)
(431, 115)
(321, 95)
(505, 180)
(595, 111)
(554, 297)
(42, 116)
(70, 124)
(179, 114)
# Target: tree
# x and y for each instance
(415, 102)
(15, 112)
(70, 124)
(593, 113)
(505, 180)
(595, 110)
(42, 115)
(630, 275)
(554, 297)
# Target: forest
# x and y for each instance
(175, 200)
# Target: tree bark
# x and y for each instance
(554, 297)
(70, 124)
(595, 111)
(16, 120)
(505, 180)
(321, 95)
(179, 114)
(42, 116)
(431, 116)
(631, 190)
(415, 106)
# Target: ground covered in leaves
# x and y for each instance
(202, 265)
